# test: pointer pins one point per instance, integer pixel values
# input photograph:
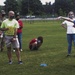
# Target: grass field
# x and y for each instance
(52, 52)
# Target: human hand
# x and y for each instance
(13, 39)
(74, 25)
(60, 17)
(7, 29)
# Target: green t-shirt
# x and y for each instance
(11, 25)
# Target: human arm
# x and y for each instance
(20, 24)
(16, 26)
(63, 25)
(15, 33)
(3, 27)
(68, 19)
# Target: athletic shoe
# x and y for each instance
(13, 50)
(68, 55)
(10, 62)
(1, 50)
(21, 50)
(20, 62)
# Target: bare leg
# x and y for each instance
(9, 53)
(18, 54)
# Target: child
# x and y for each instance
(36, 43)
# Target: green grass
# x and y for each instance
(52, 52)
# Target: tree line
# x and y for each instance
(35, 7)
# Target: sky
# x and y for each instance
(43, 1)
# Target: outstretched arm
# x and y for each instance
(68, 19)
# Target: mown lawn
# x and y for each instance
(52, 52)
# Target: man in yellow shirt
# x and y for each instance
(10, 27)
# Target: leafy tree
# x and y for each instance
(65, 5)
(19, 5)
(31, 6)
(48, 8)
(11, 5)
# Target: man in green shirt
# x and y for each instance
(10, 27)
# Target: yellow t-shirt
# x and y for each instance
(11, 25)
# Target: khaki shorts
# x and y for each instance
(15, 44)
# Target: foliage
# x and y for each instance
(35, 7)
(11, 5)
(19, 5)
(65, 5)
(48, 8)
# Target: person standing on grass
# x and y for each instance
(19, 31)
(10, 27)
(2, 18)
(70, 30)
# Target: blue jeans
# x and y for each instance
(20, 39)
(70, 38)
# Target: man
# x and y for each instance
(10, 27)
(2, 18)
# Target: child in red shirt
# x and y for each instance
(35, 43)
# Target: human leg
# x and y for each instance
(9, 53)
(74, 40)
(20, 40)
(33, 47)
(18, 54)
(17, 50)
(69, 39)
(2, 41)
(2, 44)
(8, 45)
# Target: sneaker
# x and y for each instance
(68, 55)
(10, 62)
(20, 62)
(21, 50)
(13, 50)
(1, 49)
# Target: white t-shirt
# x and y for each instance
(70, 28)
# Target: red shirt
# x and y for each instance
(20, 26)
(33, 41)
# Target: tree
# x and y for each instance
(31, 6)
(65, 5)
(19, 5)
(11, 5)
(48, 8)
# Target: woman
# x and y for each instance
(19, 31)
(70, 29)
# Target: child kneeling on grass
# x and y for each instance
(35, 43)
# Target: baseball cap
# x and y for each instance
(3, 12)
